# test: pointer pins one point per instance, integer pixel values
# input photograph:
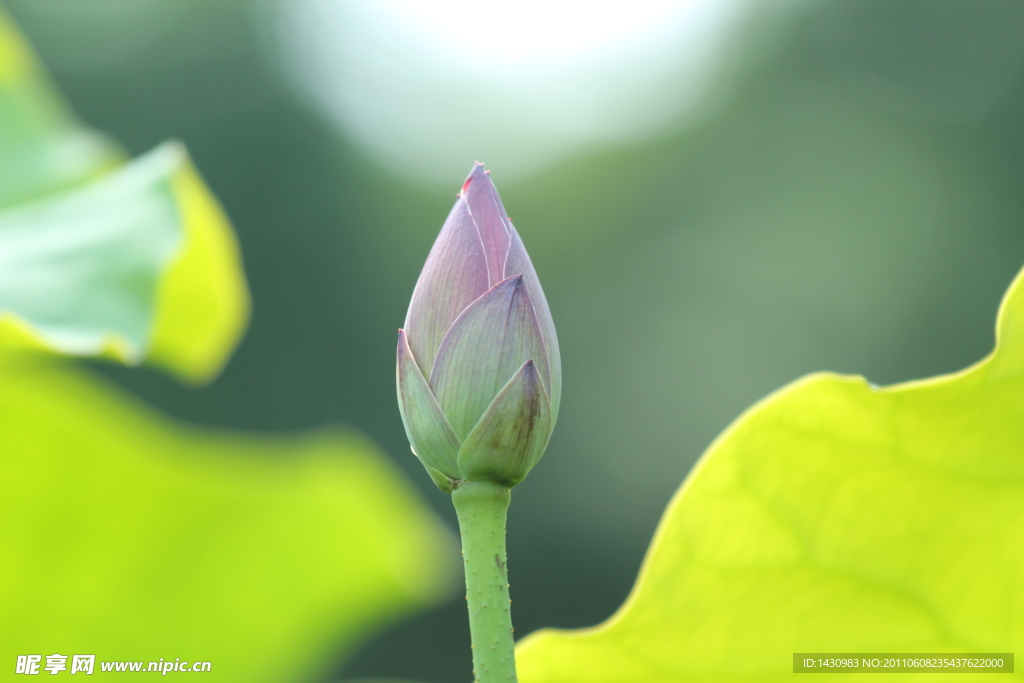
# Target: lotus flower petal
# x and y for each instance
(429, 432)
(491, 222)
(512, 434)
(518, 261)
(454, 276)
(485, 346)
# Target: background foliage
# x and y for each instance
(127, 535)
(845, 199)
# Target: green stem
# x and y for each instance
(482, 507)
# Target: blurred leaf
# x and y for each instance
(132, 538)
(833, 516)
(138, 263)
(42, 145)
(202, 305)
(128, 536)
(92, 271)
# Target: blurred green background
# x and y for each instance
(718, 197)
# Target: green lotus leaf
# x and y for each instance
(136, 262)
(131, 537)
(833, 516)
(43, 146)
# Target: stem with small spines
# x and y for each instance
(482, 507)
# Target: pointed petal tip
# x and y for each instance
(511, 282)
(403, 345)
(514, 283)
(477, 172)
(520, 288)
(480, 173)
(532, 376)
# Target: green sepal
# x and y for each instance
(512, 434)
(432, 439)
(440, 479)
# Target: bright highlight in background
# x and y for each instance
(532, 32)
(427, 88)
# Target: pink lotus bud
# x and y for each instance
(479, 376)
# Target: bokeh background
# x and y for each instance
(719, 196)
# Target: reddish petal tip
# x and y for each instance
(478, 169)
(477, 172)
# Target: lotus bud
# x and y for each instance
(479, 376)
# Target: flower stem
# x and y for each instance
(482, 507)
